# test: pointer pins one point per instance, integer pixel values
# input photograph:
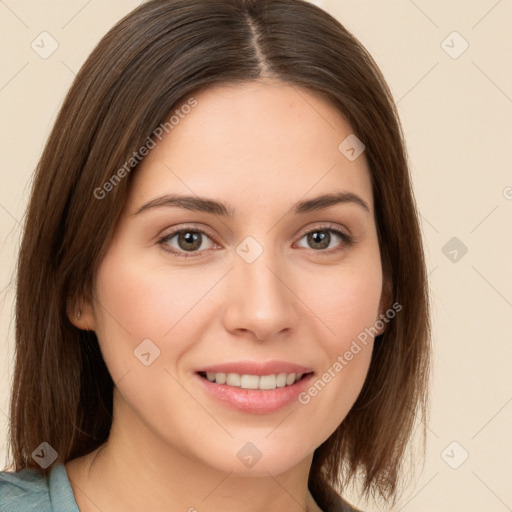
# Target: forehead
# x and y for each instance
(253, 143)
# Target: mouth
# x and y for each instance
(255, 382)
(259, 391)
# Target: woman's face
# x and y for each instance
(257, 287)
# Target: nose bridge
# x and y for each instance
(258, 272)
(260, 301)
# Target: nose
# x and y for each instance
(260, 299)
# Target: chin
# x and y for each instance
(259, 457)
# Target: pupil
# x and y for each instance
(320, 239)
(189, 238)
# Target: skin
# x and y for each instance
(260, 147)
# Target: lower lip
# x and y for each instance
(256, 401)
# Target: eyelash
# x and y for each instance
(347, 240)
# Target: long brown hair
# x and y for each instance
(148, 63)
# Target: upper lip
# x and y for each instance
(256, 368)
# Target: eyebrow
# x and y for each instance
(203, 204)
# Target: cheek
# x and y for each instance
(345, 300)
(347, 305)
(136, 302)
(146, 298)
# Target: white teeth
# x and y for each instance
(290, 378)
(268, 382)
(249, 381)
(246, 381)
(281, 380)
(233, 379)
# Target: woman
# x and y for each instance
(222, 299)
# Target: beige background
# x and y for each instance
(457, 116)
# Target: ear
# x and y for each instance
(81, 313)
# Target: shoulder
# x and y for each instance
(29, 490)
(25, 490)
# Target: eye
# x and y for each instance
(321, 238)
(187, 240)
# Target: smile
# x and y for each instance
(254, 394)
(247, 381)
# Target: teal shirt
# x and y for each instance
(29, 491)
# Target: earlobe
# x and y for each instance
(81, 315)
